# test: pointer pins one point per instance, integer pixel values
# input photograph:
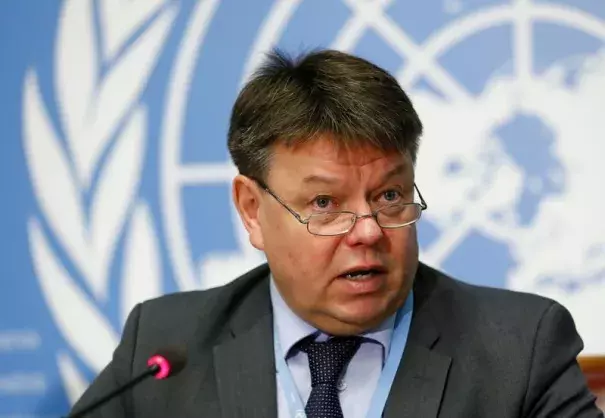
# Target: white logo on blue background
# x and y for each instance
(131, 175)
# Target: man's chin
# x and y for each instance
(353, 322)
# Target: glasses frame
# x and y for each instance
(374, 214)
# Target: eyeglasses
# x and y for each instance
(340, 222)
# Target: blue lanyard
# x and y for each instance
(399, 339)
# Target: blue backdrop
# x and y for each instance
(115, 173)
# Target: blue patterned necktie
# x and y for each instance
(327, 361)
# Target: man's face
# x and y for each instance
(309, 269)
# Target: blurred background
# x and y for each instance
(115, 176)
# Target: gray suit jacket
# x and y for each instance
(471, 352)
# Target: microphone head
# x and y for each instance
(170, 361)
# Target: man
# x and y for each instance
(343, 320)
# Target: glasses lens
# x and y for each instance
(399, 215)
(332, 223)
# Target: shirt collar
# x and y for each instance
(291, 328)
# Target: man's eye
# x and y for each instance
(391, 195)
(322, 202)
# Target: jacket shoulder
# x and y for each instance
(511, 305)
(486, 316)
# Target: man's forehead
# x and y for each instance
(325, 164)
(321, 151)
(334, 178)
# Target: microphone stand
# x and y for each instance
(150, 371)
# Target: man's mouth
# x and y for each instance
(362, 274)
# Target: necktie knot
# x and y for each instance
(328, 360)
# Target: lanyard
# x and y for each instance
(403, 321)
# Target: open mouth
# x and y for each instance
(362, 274)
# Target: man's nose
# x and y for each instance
(365, 231)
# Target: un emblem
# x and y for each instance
(132, 205)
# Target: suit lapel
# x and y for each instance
(420, 380)
(244, 361)
(418, 387)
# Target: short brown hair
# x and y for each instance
(293, 100)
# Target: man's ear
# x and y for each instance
(246, 197)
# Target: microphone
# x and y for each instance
(164, 364)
